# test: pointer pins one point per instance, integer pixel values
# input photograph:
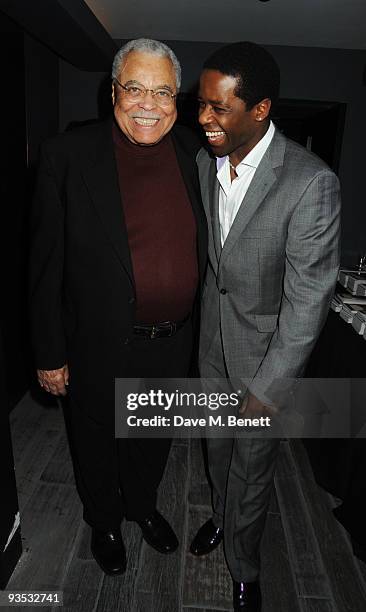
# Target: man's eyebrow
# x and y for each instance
(214, 102)
(134, 82)
(163, 86)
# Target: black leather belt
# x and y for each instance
(158, 330)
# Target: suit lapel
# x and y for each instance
(101, 178)
(214, 191)
(188, 170)
(210, 195)
(265, 176)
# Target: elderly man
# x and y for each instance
(273, 210)
(118, 251)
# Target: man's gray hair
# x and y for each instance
(146, 45)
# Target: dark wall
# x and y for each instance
(336, 75)
(42, 94)
(29, 113)
(13, 156)
(333, 75)
(79, 94)
(68, 27)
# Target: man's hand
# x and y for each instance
(54, 381)
(253, 408)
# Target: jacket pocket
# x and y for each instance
(266, 323)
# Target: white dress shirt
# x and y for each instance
(232, 192)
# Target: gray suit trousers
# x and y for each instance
(241, 471)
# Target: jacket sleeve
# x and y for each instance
(311, 270)
(46, 269)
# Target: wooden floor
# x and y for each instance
(307, 561)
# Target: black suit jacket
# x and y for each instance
(82, 293)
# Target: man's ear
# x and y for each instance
(262, 109)
(113, 94)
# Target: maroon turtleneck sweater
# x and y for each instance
(161, 229)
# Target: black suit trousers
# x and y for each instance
(119, 478)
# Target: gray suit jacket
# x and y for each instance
(268, 290)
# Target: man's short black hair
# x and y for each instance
(257, 72)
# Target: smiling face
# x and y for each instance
(145, 122)
(230, 128)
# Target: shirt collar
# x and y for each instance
(254, 156)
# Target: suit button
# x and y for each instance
(131, 300)
(126, 341)
(223, 291)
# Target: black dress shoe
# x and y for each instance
(247, 596)
(158, 533)
(208, 537)
(109, 552)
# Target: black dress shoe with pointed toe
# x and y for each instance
(247, 597)
(158, 533)
(208, 538)
(109, 552)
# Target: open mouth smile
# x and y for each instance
(215, 137)
(145, 122)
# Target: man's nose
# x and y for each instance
(205, 115)
(148, 101)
